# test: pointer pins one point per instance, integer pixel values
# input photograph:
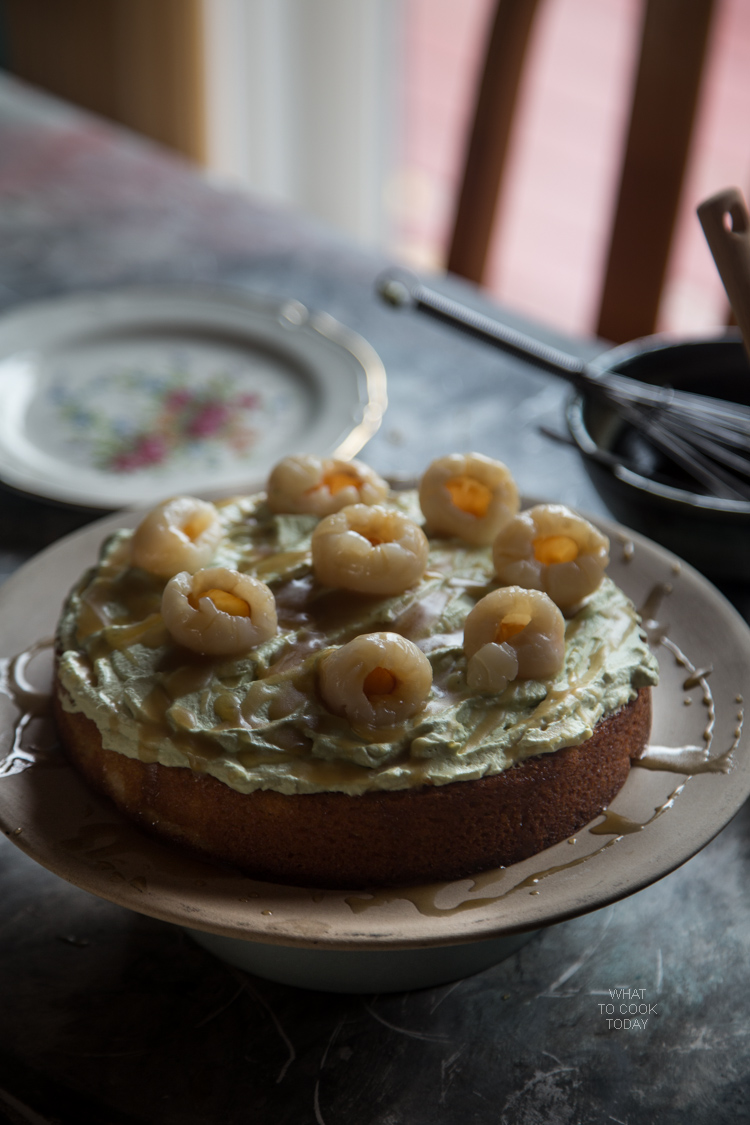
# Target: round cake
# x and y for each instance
(331, 684)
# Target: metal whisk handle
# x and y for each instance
(668, 418)
(399, 292)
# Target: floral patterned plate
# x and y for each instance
(123, 397)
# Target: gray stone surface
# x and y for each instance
(110, 1017)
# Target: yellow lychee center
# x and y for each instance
(551, 549)
(339, 479)
(195, 526)
(224, 601)
(510, 625)
(379, 682)
(469, 495)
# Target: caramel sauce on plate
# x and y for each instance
(34, 741)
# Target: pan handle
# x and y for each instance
(726, 225)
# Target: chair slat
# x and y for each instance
(488, 143)
(673, 47)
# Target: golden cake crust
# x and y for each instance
(382, 838)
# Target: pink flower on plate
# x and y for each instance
(248, 401)
(209, 420)
(177, 399)
(241, 439)
(151, 449)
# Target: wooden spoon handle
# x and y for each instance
(726, 225)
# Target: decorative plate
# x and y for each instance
(694, 778)
(125, 397)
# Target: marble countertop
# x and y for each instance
(112, 1017)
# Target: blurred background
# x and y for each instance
(358, 112)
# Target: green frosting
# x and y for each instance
(258, 721)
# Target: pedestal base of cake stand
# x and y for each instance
(374, 970)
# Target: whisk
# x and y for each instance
(707, 437)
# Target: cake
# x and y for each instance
(332, 684)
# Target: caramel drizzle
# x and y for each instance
(692, 760)
(30, 703)
(628, 548)
(424, 898)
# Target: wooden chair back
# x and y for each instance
(665, 95)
